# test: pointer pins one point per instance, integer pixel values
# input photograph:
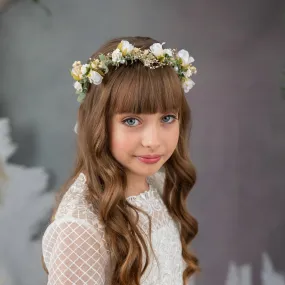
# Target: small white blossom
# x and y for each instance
(77, 85)
(95, 77)
(176, 68)
(84, 68)
(157, 49)
(187, 85)
(116, 55)
(186, 58)
(188, 73)
(126, 47)
(168, 51)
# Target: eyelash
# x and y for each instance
(172, 116)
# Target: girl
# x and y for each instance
(119, 219)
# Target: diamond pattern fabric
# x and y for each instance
(75, 250)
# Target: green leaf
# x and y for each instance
(102, 57)
(81, 97)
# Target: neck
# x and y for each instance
(136, 186)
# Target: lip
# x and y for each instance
(150, 159)
(153, 156)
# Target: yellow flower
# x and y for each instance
(76, 71)
(95, 63)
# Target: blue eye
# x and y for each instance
(171, 116)
(130, 119)
(134, 119)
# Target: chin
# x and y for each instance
(149, 169)
(144, 170)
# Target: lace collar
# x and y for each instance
(146, 195)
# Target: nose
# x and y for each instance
(151, 137)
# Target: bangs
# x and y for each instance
(138, 89)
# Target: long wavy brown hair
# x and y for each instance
(133, 89)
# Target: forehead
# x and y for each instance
(140, 90)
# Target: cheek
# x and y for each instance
(120, 142)
(172, 139)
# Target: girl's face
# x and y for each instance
(135, 135)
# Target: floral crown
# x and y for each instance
(125, 53)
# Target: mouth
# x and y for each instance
(150, 156)
(149, 159)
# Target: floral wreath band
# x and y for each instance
(93, 72)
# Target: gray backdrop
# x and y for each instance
(238, 135)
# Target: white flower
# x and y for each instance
(186, 58)
(157, 49)
(76, 63)
(126, 47)
(187, 85)
(168, 51)
(116, 55)
(95, 77)
(84, 68)
(176, 68)
(77, 85)
(188, 73)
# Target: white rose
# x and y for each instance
(191, 59)
(184, 55)
(95, 77)
(187, 85)
(116, 55)
(168, 51)
(77, 85)
(84, 68)
(126, 47)
(157, 49)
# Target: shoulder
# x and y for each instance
(74, 220)
(75, 210)
(74, 203)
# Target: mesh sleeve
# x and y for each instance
(74, 254)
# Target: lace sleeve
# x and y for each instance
(74, 253)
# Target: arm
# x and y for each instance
(74, 254)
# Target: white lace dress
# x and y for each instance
(74, 248)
